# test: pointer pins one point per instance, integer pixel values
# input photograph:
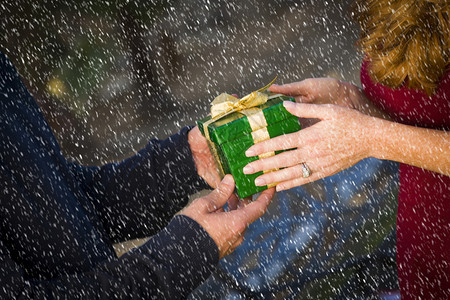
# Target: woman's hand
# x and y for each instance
(318, 91)
(330, 91)
(204, 161)
(338, 141)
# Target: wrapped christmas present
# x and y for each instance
(236, 124)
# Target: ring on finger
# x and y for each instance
(306, 170)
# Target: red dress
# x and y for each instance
(423, 218)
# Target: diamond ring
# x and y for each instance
(306, 170)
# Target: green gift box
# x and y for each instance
(231, 135)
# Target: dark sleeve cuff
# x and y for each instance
(187, 256)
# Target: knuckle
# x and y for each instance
(267, 145)
(224, 187)
(268, 163)
(257, 164)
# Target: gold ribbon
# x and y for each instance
(225, 104)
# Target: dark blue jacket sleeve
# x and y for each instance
(138, 196)
(169, 266)
(52, 244)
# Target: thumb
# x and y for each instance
(291, 89)
(306, 110)
(221, 194)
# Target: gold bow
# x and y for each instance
(225, 104)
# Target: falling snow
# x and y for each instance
(111, 75)
(108, 73)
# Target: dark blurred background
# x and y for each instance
(109, 75)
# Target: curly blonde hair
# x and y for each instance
(406, 41)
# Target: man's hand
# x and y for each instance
(227, 228)
(204, 161)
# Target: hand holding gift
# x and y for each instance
(331, 145)
(226, 228)
(236, 124)
(327, 147)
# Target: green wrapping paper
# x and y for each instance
(232, 136)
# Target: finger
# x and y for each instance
(218, 197)
(291, 89)
(312, 111)
(290, 173)
(282, 160)
(215, 178)
(257, 208)
(282, 142)
(293, 140)
(325, 172)
(298, 182)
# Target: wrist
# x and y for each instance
(376, 133)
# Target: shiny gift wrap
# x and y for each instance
(233, 133)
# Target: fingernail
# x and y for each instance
(248, 169)
(228, 179)
(249, 153)
(260, 182)
(288, 104)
